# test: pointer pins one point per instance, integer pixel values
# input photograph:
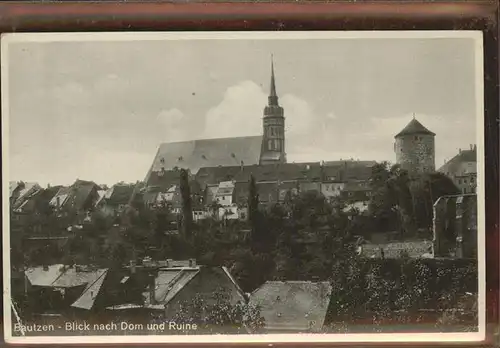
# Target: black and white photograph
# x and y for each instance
(243, 187)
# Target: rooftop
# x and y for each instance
(293, 305)
(414, 127)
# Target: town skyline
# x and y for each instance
(105, 117)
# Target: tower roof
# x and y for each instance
(414, 127)
(272, 90)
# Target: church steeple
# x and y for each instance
(273, 96)
(273, 141)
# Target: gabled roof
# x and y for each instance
(414, 127)
(60, 276)
(119, 194)
(293, 305)
(196, 154)
(89, 294)
(171, 281)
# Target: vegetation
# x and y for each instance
(218, 315)
(306, 238)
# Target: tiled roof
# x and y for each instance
(164, 178)
(293, 305)
(77, 195)
(395, 250)
(414, 127)
(171, 281)
(196, 154)
(452, 166)
(73, 277)
(24, 191)
(89, 294)
(60, 276)
(268, 172)
(38, 276)
(119, 194)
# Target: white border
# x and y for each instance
(477, 36)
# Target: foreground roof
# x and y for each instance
(414, 127)
(293, 305)
(171, 281)
(195, 154)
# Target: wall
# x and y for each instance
(415, 153)
(332, 189)
(455, 226)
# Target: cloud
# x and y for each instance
(174, 125)
(238, 114)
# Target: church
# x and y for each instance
(236, 159)
(268, 148)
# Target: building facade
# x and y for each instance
(462, 169)
(415, 148)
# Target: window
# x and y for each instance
(276, 144)
(273, 131)
(269, 144)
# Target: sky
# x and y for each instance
(98, 110)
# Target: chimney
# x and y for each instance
(170, 263)
(45, 267)
(132, 267)
(459, 151)
(242, 165)
(192, 262)
(475, 147)
(152, 288)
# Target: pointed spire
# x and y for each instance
(273, 96)
(273, 83)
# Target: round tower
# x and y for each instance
(415, 148)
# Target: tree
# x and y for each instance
(187, 211)
(217, 315)
(253, 203)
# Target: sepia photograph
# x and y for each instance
(243, 187)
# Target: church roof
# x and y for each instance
(414, 127)
(195, 154)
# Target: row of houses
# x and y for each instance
(138, 293)
(217, 191)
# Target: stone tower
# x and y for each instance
(273, 140)
(415, 149)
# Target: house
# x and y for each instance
(462, 169)
(80, 198)
(54, 288)
(166, 289)
(224, 194)
(115, 200)
(19, 192)
(331, 189)
(356, 191)
(293, 306)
